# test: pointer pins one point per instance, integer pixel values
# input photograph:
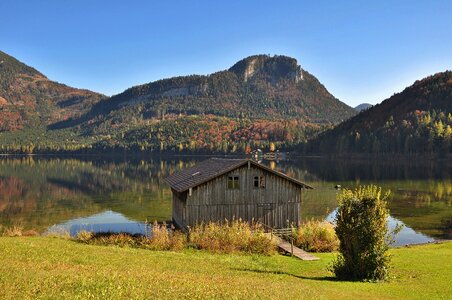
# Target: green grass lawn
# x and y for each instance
(42, 267)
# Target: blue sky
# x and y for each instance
(362, 51)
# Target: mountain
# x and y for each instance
(363, 106)
(30, 99)
(261, 86)
(416, 121)
(260, 100)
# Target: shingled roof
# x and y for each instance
(213, 168)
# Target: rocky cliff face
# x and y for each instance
(274, 68)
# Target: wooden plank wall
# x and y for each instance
(179, 208)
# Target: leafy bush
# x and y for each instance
(228, 237)
(361, 226)
(316, 236)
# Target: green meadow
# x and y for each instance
(56, 268)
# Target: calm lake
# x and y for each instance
(55, 194)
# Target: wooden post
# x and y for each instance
(291, 246)
(187, 234)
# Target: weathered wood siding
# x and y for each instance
(179, 208)
(277, 205)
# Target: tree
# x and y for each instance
(448, 132)
(439, 128)
(272, 147)
(248, 149)
(361, 226)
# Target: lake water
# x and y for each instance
(55, 194)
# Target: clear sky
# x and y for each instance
(362, 51)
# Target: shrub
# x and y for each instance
(113, 239)
(84, 236)
(109, 238)
(178, 241)
(361, 226)
(13, 231)
(316, 236)
(30, 232)
(160, 239)
(164, 239)
(229, 237)
(226, 238)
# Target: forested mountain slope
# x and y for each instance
(29, 99)
(416, 121)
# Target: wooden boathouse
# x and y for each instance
(218, 189)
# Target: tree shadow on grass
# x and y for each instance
(319, 278)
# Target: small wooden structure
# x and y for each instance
(219, 189)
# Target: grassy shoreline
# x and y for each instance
(54, 268)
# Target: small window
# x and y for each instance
(233, 182)
(259, 182)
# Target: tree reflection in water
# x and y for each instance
(38, 192)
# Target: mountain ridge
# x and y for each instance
(29, 98)
(258, 102)
(258, 86)
(415, 120)
(363, 106)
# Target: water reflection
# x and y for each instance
(406, 235)
(107, 221)
(421, 192)
(39, 192)
(36, 193)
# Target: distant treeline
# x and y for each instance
(174, 134)
(420, 132)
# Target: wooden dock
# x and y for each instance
(293, 250)
(284, 240)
